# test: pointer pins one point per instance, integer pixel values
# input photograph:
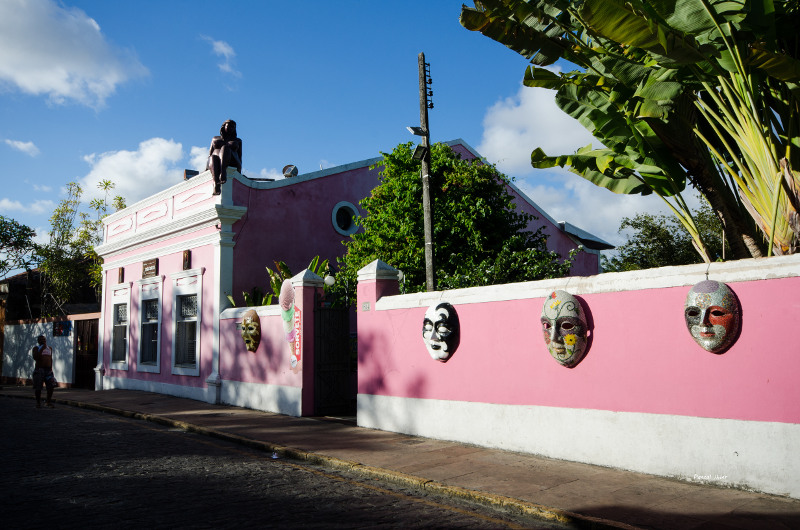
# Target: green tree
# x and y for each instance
(479, 236)
(676, 90)
(661, 240)
(16, 246)
(68, 261)
(276, 277)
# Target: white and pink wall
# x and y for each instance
(230, 239)
(266, 379)
(645, 398)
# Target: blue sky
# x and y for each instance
(134, 91)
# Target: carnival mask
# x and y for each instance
(712, 315)
(251, 330)
(440, 331)
(564, 328)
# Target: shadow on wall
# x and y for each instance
(280, 399)
(372, 376)
(270, 358)
(17, 360)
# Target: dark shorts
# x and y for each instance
(43, 376)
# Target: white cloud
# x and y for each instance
(136, 174)
(7, 205)
(29, 148)
(60, 52)
(270, 174)
(36, 207)
(42, 235)
(568, 197)
(225, 51)
(45, 189)
(515, 126)
(198, 158)
(42, 206)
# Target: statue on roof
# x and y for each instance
(226, 150)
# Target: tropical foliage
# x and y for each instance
(257, 297)
(704, 91)
(68, 261)
(661, 240)
(479, 236)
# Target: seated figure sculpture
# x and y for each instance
(226, 150)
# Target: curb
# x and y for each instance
(517, 506)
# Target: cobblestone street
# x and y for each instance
(73, 468)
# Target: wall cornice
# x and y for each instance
(661, 278)
(211, 216)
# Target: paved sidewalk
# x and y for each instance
(580, 494)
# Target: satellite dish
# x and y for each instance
(289, 171)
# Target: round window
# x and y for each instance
(342, 217)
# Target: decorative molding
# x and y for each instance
(151, 214)
(202, 193)
(167, 194)
(120, 226)
(187, 273)
(211, 216)
(208, 239)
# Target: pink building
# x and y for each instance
(171, 259)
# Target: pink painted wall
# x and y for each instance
(641, 356)
(291, 223)
(585, 264)
(202, 257)
(268, 364)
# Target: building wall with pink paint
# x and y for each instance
(186, 246)
(645, 397)
(165, 261)
(269, 378)
(295, 219)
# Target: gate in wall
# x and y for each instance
(85, 353)
(334, 363)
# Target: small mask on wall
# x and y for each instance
(564, 327)
(251, 330)
(440, 331)
(712, 315)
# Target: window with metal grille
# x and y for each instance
(149, 332)
(119, 346)
(186, 332)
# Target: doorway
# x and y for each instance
(85, 353)
(334, 363)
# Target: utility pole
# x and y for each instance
(427, 205)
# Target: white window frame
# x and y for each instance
(121, 295)
(187, 283)
(150, 289)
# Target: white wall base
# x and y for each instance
(197, 393)
(760, 456)
(271, 398)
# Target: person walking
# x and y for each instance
(43, 372)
